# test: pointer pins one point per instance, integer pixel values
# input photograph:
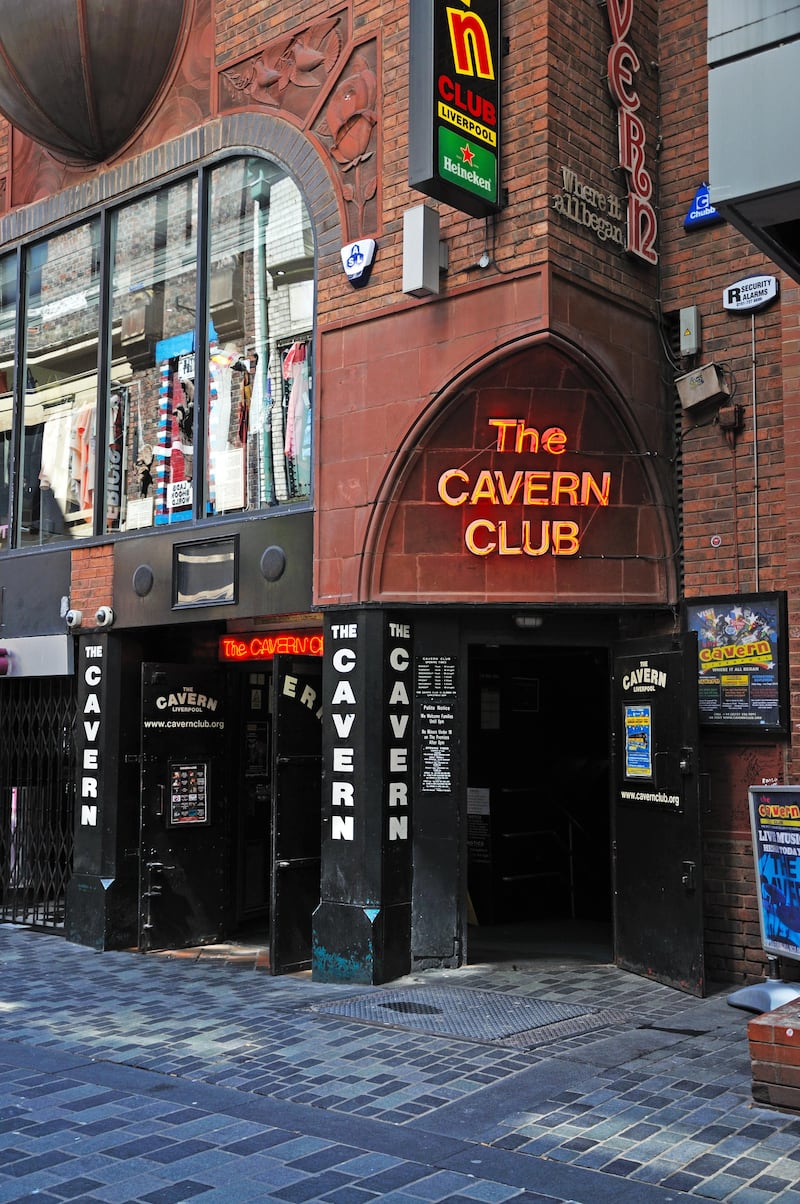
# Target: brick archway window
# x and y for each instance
(166, 371)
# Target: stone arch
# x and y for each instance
(417, 545)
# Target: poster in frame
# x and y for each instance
(742, 673)
(775, 824)
(188, 795)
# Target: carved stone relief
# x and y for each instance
(311, 78)
(289, 74)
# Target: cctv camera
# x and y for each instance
(74, 618)
(104, 617)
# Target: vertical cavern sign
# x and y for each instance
(623, 65)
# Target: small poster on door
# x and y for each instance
(638, 742)
(188, 794)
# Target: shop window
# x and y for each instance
(58, 489)
(8, 312)
(150, 452)
(255, 424)
(237, 240)
(261, 287)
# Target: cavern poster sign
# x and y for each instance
(454, 103)
(534, 504)
(742, 667)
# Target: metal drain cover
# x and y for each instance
(412, 1009)
(473, 1015)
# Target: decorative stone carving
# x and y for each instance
(288, 74)
(348, 128)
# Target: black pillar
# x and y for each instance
(362, 927)
(101, 903)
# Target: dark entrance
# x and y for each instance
(296, 810)
(538, 825)
(230, 806)
(184, 834)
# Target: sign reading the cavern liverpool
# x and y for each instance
(454, 107)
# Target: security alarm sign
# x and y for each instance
(454, 78)
(754, 292)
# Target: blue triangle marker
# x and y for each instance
(702, 212)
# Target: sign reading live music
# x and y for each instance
(454, 108)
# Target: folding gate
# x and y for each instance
(36, 799)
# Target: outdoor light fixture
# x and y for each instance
(529, 621)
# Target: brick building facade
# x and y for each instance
(506, 512)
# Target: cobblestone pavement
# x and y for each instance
(130, 1078)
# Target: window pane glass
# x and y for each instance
(261, 300)
(150, 454)
(8, 315)
(58, 461)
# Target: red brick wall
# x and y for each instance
(91, 583)
(774, 1043)
(719, 471)
(583, 136)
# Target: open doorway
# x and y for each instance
(230, 808)
(276, 848)
(538, 807)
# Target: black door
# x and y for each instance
(296, 805)
(184, 830)
(658, 904)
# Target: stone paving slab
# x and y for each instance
(127, 1078)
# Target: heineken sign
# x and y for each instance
(454, 111)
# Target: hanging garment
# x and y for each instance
(294, 370)
(57, 460)
(86, 435)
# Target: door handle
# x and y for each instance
(688, 875)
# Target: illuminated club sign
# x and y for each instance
(454, 107)
(509, 512)
(263, 646)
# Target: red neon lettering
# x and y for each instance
(503, 426)
(620, 15)
(623, 62)
(642, 229)
(553, 440)
(631, 153)
(264, 648)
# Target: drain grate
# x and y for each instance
(487, 1016)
